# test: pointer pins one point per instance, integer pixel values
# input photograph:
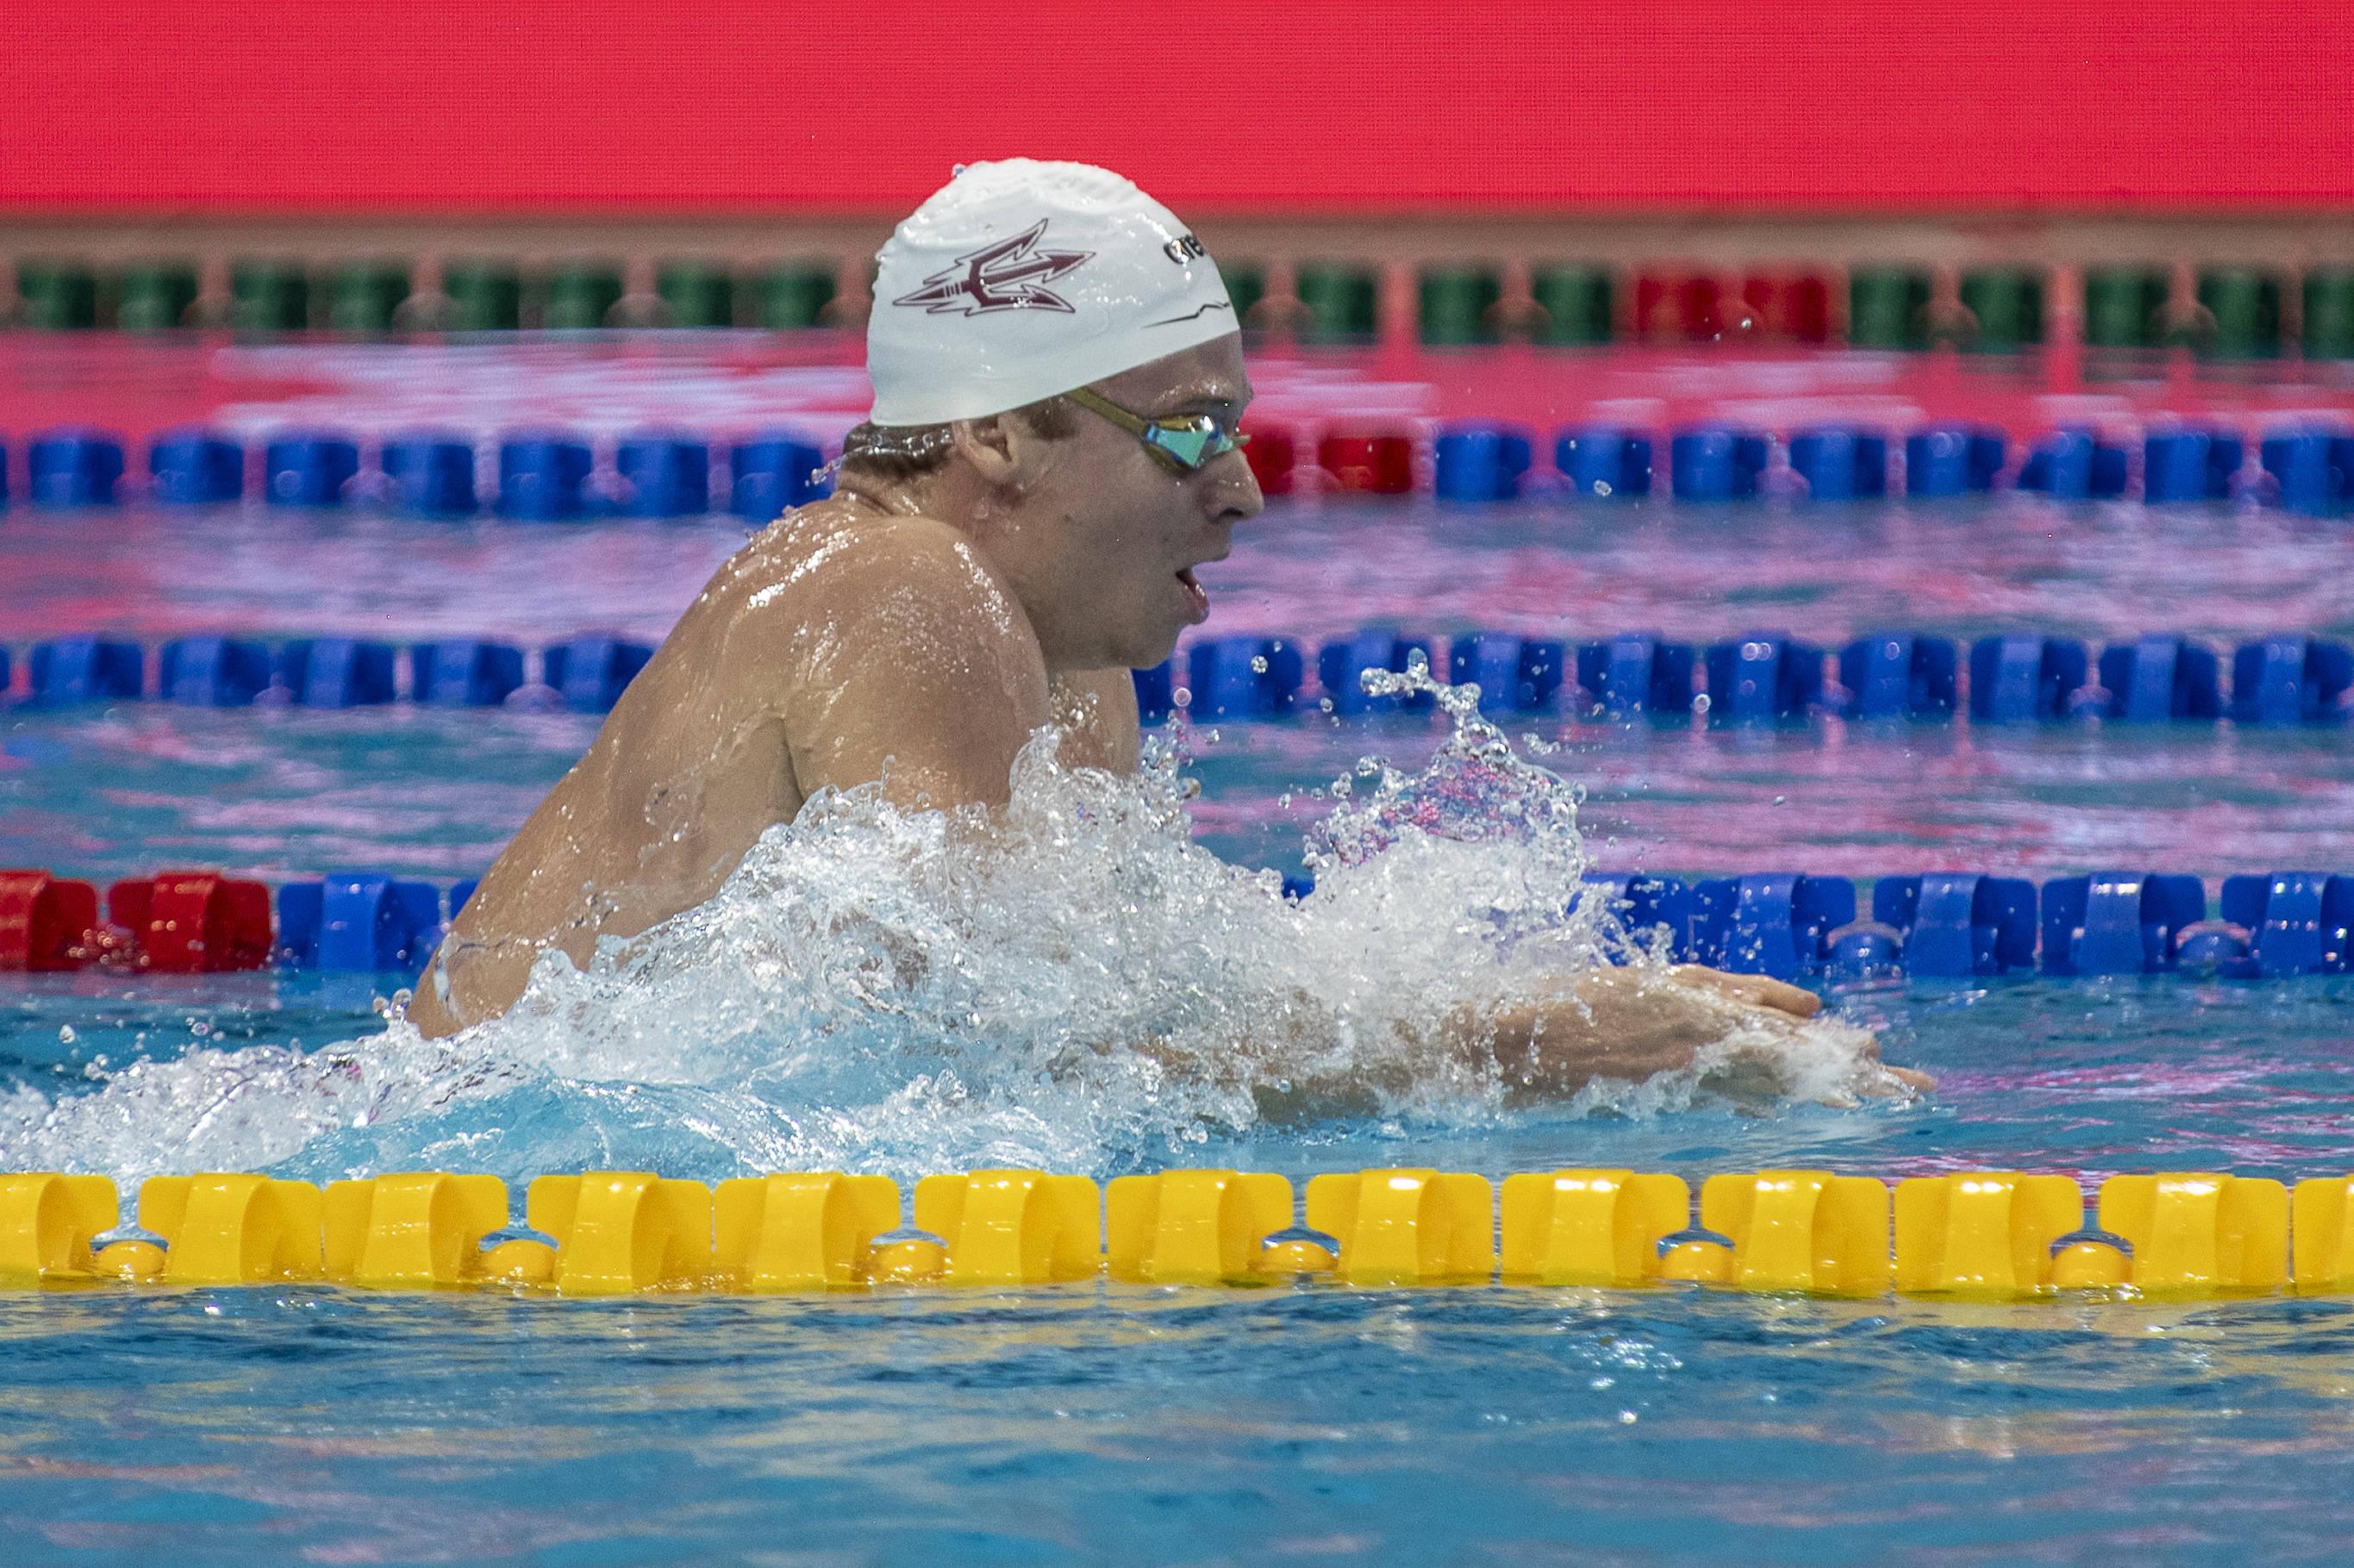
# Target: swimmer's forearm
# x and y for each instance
(1625, 1024)
(1628, 1024)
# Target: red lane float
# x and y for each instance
(193, 922)
(1271, 454)
(1367, 464)
(1789, 307)
(47, 923)
(1678, 307)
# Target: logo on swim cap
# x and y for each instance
(1007, 276)
(1019, 279)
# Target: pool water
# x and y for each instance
(1103, 1423)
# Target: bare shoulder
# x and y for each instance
(827, 566)
(893, 650)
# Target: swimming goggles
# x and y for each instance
(1184, 443)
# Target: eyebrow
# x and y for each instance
(1220, 397)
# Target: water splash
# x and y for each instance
(1080, 987)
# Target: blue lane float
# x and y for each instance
(2025, 678)
(2299, 921)
(2117, 922)
(1715, 463)
(2310, 468)
(309, 468)
(770, 473)
(1953, 459)
(68, 670)
(1898, 676)
(212, 672)
(464, 673)
(1840, 462)
(1514, 673)
(1340, 664)
(337, 673)
(1895, 674)
(1762, 678)
(1637, 673)
(2291, 680)
(357, 922)
(1960, 923)
(1603, 462)
(1774, 924)
(1242, 677)
(430, 473)
(1647, 907)
(2159, 679)
(195, 468)
(2074, 464)
(1478, 463)
(591, 671)
(65, 468)
(544, 477)
(2189, 464)
(663, 475)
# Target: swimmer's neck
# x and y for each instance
(902, 500)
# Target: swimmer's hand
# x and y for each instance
(1632, 1023)
(1762, 990)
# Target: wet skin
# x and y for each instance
(921, 635)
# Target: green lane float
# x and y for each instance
(268, 294)
(364, 297)
(155, 296)
(1246, 287)
(580, 296)
(483, 295)
(1458, 305)
(1574, 305)
(2007, 305)
(2242, 312)
(789, 297)
(1888, 307)
(1340, 303)
(696, 292)
(2124, 306)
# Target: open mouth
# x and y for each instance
(1196, 592)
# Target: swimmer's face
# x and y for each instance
(1113, 536)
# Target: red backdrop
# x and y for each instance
(728, 106)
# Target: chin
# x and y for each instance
(1145, 653)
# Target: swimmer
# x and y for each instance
(1051, 456)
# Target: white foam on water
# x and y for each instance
(1079, 986)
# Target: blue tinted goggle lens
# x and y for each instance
(1190, 441)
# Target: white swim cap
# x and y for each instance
(1020, 280)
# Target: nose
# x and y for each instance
(1234, 497)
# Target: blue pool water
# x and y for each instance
(1101, 1422)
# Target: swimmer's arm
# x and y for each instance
(1631, 1023)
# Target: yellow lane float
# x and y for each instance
(1992, 1234)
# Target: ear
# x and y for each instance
(992, 446)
